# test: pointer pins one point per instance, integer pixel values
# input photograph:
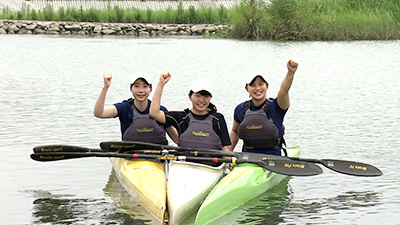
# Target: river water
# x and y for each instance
(344, 105)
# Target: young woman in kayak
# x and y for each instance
(136, 124)
(201, 126)
(259, 121)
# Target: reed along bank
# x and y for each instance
(250, 19)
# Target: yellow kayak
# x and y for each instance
(144, 180)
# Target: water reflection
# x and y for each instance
(129, 205)
(309, 209)
(273, 207)
(49, 208)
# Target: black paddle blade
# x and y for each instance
(352, 168)
(283, 165)
(62, 148)
(127, 145)
(289, 167)
(46, 157)
(133, 146)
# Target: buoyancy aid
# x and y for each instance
(258, 131)
(144, 128)
(200, 133)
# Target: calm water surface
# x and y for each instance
(344, 104)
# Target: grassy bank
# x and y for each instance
(118, 15)
(254, 19)
(335, 19)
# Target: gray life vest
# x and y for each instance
(200, 134)
(257, 131)
(145, 129)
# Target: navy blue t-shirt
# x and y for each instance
(275, 113)
(125, 114)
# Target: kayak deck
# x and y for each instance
(245, 182)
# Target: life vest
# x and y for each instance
(144, 128)
(200, 133)
(258, 131)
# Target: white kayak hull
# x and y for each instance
(187, 186)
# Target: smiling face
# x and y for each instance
(199, 103)
(257, 89)
(140, 90)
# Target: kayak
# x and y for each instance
(261, 209)
(245, 182)
(145, 181)
(125, 202)
(188, 185)
(180, 187)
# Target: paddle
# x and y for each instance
(285, 166)
(346, 167)
(340, 166)
(63, 148)
(303, 169)
(55, 156)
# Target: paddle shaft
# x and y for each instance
(55, 156)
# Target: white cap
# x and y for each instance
(200, 85)
(251, 76)
(143, 75)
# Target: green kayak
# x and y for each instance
(245, 182)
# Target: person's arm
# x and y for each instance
(234, 135)
(283, 94)
(224, 134)
(225, 148)
(99, 110)
(225, 139)
(172, 133)
(155, 111)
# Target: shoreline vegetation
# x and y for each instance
(282, 20)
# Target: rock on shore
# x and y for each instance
(88, 28)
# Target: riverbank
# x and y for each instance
(283, 20)
(98, 29)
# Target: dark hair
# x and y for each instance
(211, 108)
(144, 80)
(254, 80)
(202, 93)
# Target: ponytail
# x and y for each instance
(211, 108)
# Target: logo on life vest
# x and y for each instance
(145, 130)
(254, 127)
(200, 133)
